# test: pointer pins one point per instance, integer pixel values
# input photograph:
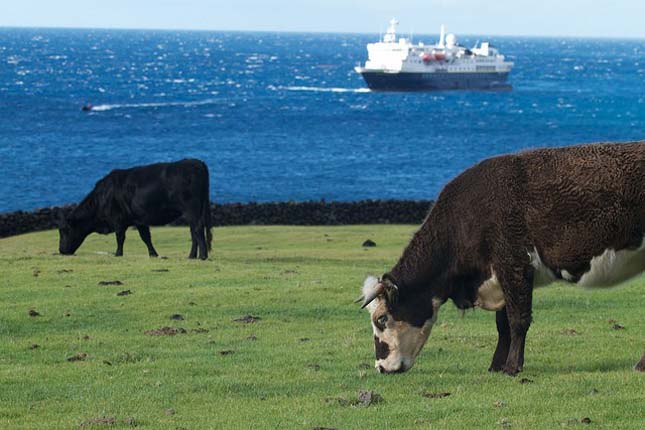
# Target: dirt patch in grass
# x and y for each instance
(34, 346)
(99, 421)
(124, 293)
(33, 313)
(177, 317)
(247, 319)
(79, 356)
(115, 282)
(570, 331)
(432, 395)
(226, 352)
(166, 331)
(160, 270)
(364, 399)
(526, 381)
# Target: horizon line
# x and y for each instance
(196, 30)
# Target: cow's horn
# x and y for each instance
(372, 288)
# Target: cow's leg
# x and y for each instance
(640, 366)
(503, 341)
(201, 241)
(193, 246)
(518, 292)
(144, 232)
(120, 238)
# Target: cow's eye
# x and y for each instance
(382, 320)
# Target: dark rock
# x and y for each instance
(369, 243)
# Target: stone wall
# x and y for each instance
(287, 213)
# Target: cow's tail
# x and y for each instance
(206, 213)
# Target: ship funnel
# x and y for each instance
(442, 37)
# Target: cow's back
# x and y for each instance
(580, 201)
(159, 193)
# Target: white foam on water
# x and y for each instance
(106, 107)
(322, 89)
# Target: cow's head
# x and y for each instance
(72, 234)
(401, 321)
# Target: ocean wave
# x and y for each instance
(106, 107)
(321, 89)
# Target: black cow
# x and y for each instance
(155, 194)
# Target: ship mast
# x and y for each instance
(390, 35)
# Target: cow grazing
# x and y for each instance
(156, 194)
(503, 227)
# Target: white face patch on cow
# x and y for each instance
(399, 342)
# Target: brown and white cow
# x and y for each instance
(503, 227)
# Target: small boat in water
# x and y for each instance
(87, 107)
(400, 65)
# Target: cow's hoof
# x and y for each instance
(511, 370)
(640, 366)
(496, 367)
(154, 255)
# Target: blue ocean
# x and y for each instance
(283, 116)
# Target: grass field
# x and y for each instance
(303, 363)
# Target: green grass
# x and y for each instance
(310, 342)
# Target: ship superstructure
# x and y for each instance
(400, 65)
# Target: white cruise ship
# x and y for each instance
(400, 65)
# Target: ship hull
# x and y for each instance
(408, 81)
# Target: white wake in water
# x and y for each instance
(322, 89)
(105, 107)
